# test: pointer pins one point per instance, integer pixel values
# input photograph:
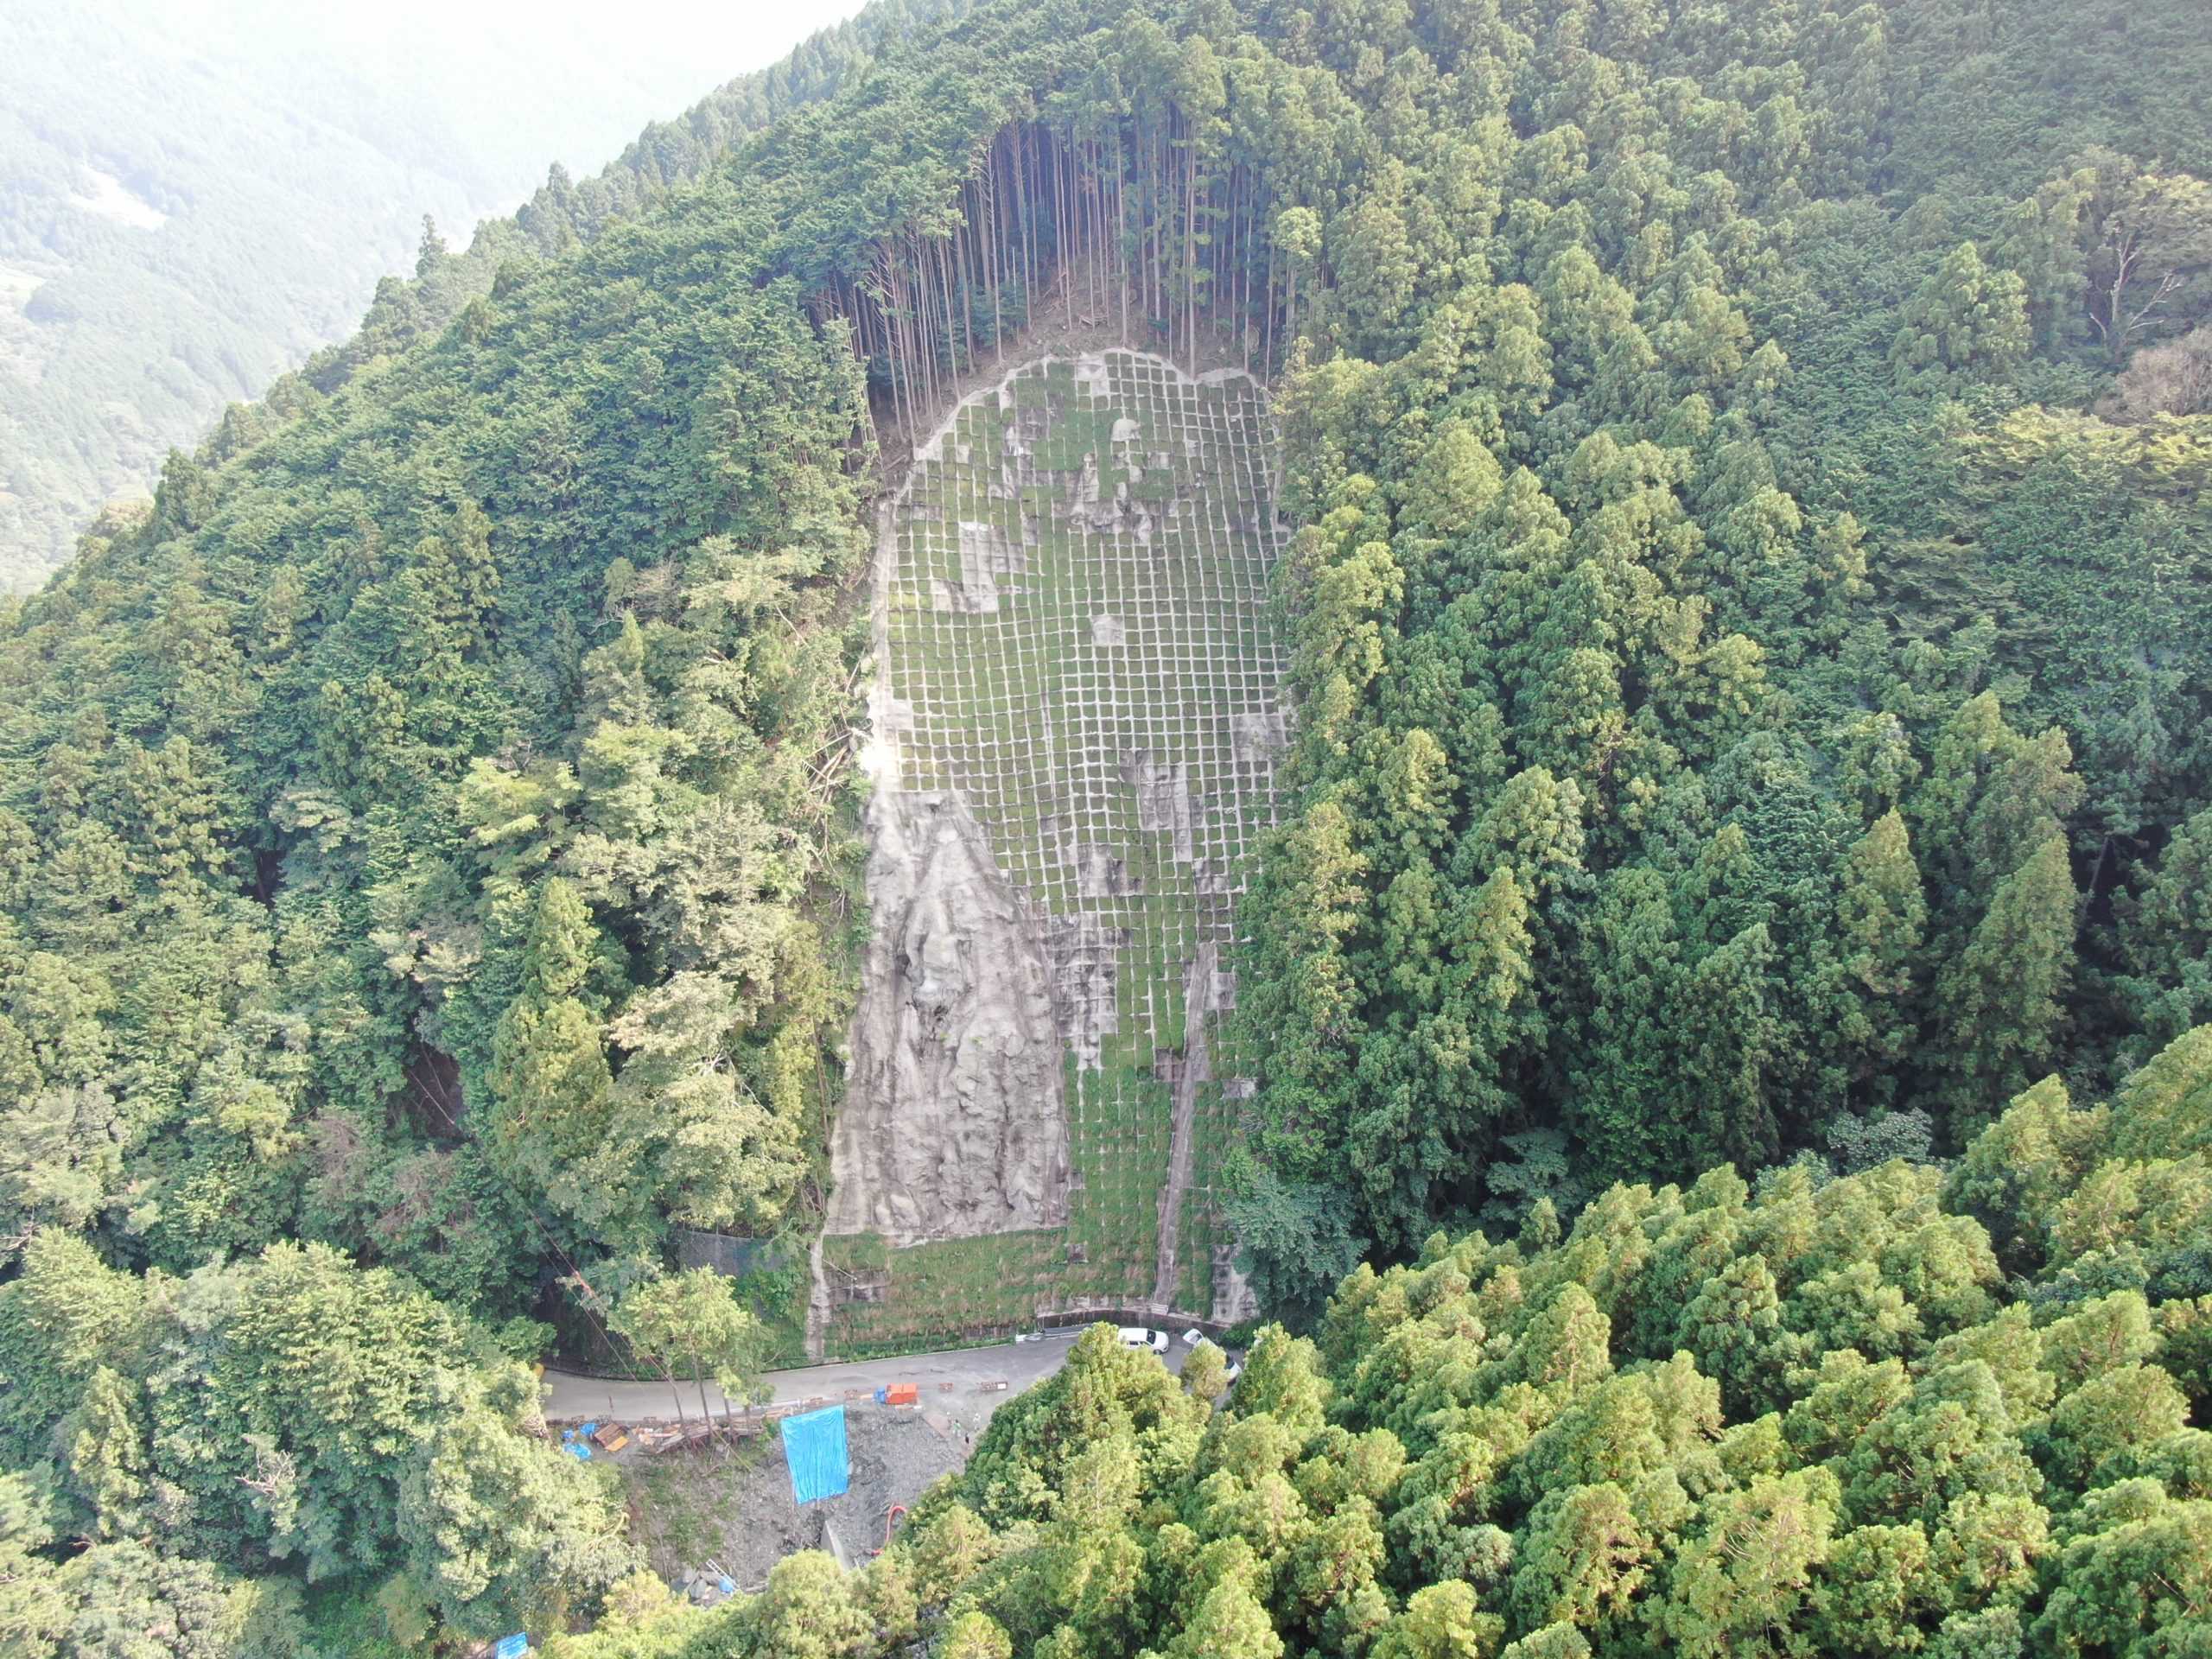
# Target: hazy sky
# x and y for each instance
(196, 194)
(678, 50)
(670, 44)
(582, 74)
(648, 60)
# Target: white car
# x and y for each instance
(1137, 1336)
(1193, 1337)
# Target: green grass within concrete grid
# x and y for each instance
(1029, 716)
(942, 1290)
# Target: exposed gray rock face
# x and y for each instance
(1164, 803)
(1086, 955)
(1073, 731)
(954, 1122)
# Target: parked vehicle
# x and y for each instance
(1138, 1336)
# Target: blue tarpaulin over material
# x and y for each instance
(814, 1445)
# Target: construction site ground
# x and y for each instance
(724, 1510)
(722, 1506)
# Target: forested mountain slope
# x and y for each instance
(1898, 1412)
(1751, 629)
(194, 202)
(1750, 700)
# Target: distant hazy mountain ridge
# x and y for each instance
(189, 206)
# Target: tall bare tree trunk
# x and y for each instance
(1067, 253)
(1122, 229)
(993, 251)
(1191, 251)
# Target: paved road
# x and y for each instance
(569, 1397)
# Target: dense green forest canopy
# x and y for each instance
(1897, 1412)
(1753, 636)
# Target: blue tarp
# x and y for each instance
(814, 1445)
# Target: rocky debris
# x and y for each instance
(954, 1122)
(895, 1457)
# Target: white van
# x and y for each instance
(1136, 1336)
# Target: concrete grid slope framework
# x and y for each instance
(1077, 648)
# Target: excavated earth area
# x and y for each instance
(1075, 728)
(718, 1512)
